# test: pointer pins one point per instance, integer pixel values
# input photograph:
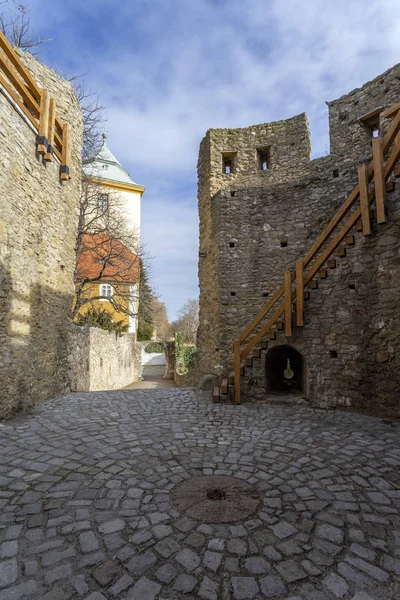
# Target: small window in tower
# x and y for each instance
(227, 165)
(228, 162)
(102, 202)
(371, 122)
(263, 158)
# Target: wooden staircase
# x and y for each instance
(288, 300)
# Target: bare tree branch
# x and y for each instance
(188, 321)
(16, 26)
(108, 251)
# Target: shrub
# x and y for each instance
(184, 354)
(144, 333)
(101, 318)
(154, 348)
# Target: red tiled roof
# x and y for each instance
(109, 259)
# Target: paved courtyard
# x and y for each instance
(98, 502)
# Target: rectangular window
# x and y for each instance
(263, 158)
(102, 202)
(106, 290)
(228, 162)
(371, 122)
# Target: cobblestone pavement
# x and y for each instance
(87, 512)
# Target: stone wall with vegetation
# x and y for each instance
(38, 224)
(251, 231)
(100, 360)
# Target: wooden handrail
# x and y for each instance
(21, 87)
(366, 174)
(19, 66)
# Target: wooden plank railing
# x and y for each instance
(377, 171)
(36, 105)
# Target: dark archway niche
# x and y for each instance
(282, 376)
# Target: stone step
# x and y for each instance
(216, 394)
(224, 386)
(359, 226)
(350, 240)
(342, 252)
(390, 186)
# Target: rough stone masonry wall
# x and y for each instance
(259, 228)
(289, 143)
(99, 360)
(38, 224)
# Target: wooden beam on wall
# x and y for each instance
(50, 134)
(42, 141)
(288, 304)
(64, 169)
(236, 367)
(379, 177)
(299, 294)
(364, 200)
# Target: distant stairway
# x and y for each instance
(286, 306)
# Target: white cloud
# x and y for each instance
(171, 69)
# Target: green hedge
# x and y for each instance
(184, 354)
(144, 332)
(101, 318)
(154, 348)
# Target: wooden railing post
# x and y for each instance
(41, 140)
(50, 135)
(364, 199)
(299, 294)
(288, 304)
(380, 189)
(64, 168)
(236, 366)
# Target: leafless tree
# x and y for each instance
(107, 251)
(159, 318)
(93, 115)
(188, 321)
(16, 26)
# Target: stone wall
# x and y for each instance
(38, 224)
(99, 360)
(288, 146)
(255, 225)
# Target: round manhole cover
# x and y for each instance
(216, 498)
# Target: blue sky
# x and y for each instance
(171, 69)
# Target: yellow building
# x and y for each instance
(108, 279)
(108, 271)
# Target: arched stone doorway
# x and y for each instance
(284, 370)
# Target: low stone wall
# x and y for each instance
(99, 360)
